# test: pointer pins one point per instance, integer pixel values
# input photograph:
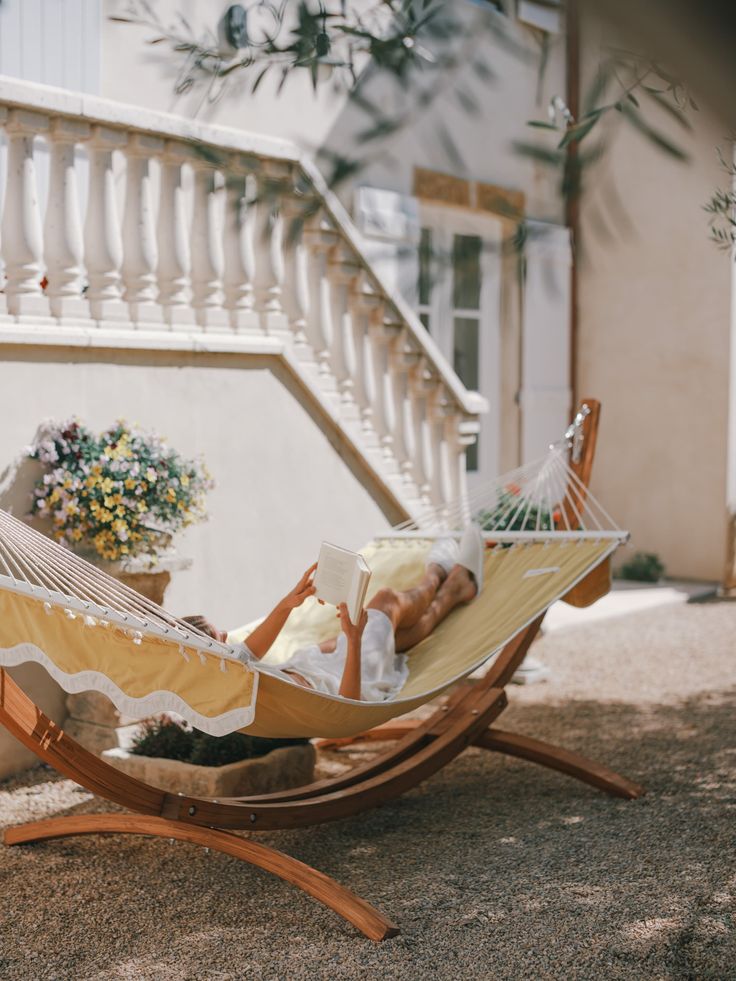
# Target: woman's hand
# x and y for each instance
(303, 589)
(353, 631)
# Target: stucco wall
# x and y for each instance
(654, 343)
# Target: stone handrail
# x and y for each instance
(188, 232)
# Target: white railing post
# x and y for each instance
(103, 244)
(318, 243)
(22, 236)
(140, 250)
(273, 181)
(420, 383)
(297, 299)
(63, 236)
(342, 274)
(365, 306)
(173, 240)
(385, 416)
(401, 361)
(208, 259)
(240, 258)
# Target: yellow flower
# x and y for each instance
(184, 480)
(107, 485)
(130, 484)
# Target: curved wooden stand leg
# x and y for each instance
(368, 920)
(563, 760)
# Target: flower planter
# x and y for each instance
(281, 769)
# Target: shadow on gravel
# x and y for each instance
(494, 868)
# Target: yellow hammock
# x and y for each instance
(92, 633)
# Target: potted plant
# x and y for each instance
(118, 498)
(169, 754)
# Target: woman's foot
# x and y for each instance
(460, 584)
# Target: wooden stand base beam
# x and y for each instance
(362, 915)
(524, 748)
(555, 758)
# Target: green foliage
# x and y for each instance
(163, 737)
(722, 205)
(513, 513)
(642, 567)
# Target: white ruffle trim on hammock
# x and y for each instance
(139, 708)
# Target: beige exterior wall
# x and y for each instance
(654, 344)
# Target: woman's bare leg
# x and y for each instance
(459, 588)
(406, 607)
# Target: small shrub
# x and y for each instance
(642, 567)
(166, 738)
(163, 737)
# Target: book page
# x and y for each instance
(341, 577)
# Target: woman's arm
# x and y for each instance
(351, 679)
(260, 641)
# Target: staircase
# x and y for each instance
(124, 228)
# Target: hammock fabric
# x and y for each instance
(92, 633)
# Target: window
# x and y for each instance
(466, 282)
(425, 277)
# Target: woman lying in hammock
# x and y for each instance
(366, 661)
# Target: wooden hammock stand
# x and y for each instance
(421, 748)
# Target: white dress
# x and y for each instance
(383, 672)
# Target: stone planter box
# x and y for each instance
(281, 769)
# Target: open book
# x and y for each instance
(342, 577)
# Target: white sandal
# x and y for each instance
(472, 552)
(444, 552)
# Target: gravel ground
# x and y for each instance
(494, 868)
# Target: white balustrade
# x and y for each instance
(197, 230)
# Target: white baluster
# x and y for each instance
(274, 183)
(240, 259)
(342, 276)
(22, 237)
(419, 383)
(365, 389)
(296, 290)
(63, 237)
(385, 414)
(103, 244)
(443, 470)
(173, 240)
(140, 259)
(402, 361)
(463, 433)
(320, 327)
(208, 260)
